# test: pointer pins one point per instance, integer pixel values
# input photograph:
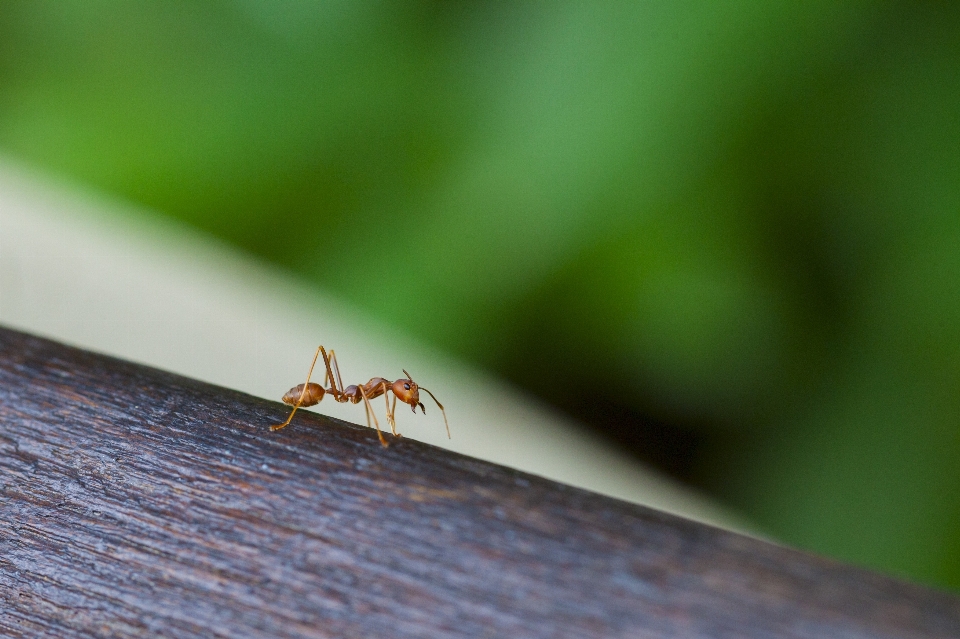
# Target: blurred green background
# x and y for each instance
(725, 234)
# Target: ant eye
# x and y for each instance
(406, 386)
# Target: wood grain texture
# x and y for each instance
(139, 503)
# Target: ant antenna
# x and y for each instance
(445, 423)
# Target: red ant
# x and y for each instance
(309, 394)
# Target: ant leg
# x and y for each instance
(333, 361)
(393, 412)
(303, 393)
(376, 423)
(390, 418)
(334, 390)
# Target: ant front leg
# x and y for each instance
(369, 408)
(390, 410)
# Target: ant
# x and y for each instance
(309, 394)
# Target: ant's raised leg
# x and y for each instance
(303, 393)
(336, 368)
(370, 409)
(328, 376)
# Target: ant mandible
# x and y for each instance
(310, 394)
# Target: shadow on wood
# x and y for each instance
(139, 503)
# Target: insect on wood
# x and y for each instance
(310, 393)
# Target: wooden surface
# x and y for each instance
(134, 502)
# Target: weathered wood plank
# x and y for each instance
(139, 503)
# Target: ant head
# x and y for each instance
(407, 391)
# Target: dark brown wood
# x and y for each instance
(134, 502)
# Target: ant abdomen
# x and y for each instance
(314, 394)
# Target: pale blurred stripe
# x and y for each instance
(95, 273)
